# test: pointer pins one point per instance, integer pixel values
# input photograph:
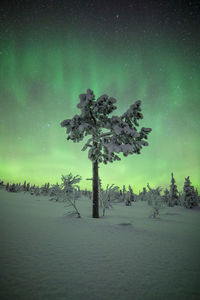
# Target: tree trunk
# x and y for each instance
(95, 191)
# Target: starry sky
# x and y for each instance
(51, 51)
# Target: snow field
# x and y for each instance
(45, 254)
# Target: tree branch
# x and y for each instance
(93, 118)
(106, 134)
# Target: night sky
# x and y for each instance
(51, 51)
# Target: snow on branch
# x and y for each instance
(122, 135)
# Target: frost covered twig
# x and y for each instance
(72, 203)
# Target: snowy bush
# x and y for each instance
(55, 192)
(107, 196)
(36, 191)
(71, 203)
(32, 189)
(129, 197)
(69, 184)
(143, 196)
(123, 194)
(71, 191)
(26, 187)
(45, 189)
(12, 188)
(157, 204)
(155, 200)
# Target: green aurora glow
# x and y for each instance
(40, 81)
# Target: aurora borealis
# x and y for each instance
(51, 51)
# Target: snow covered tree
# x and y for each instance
(37, 191)
(44, 190)
(123, 193)
(109, 135)
(55, 192)
(107, 196)
(71, 202)
(173, 198)
(142, 195)
(129, 197)
(69, 184)
(32, 189)
(155, 200)
(12, 188)
(189, 195)
(24, 186)
(131, 194)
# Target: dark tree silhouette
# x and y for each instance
(109, 135)
(190, 198)
(173, 197)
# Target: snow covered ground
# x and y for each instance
(45, 254)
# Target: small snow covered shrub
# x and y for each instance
(129, 197)
(71, 202)
(143, 195)
(108, 196)
(157, 204)
(32, 189)
(123, 194)
(155, 200)
(36, 191)
(131, 194)
(69, 183)
(14, 188)
(70, 191)
(55, 192)
(26, 187)
(45, 189)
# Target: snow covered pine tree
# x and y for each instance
(109, 135)
(189, 194)
(173, 196)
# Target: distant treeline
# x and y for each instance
(69, 188)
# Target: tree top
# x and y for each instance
(109, 135)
